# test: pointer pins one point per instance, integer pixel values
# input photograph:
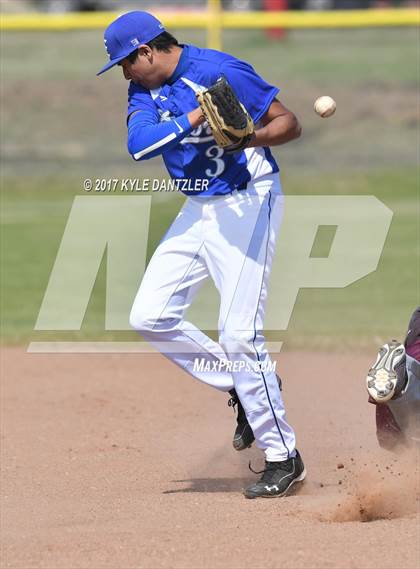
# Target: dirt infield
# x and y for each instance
(124, 462)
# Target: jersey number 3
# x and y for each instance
(215, 154)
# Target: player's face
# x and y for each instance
(143, 70)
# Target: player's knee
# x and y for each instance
(236, 341)
(141, 317)
(143, 320)
(140, 320)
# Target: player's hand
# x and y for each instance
(196, 117)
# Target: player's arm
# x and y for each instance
(279, 126)
(147, 137)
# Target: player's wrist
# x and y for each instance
(196, 117)
(253, 140)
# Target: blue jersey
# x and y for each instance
(162, 127)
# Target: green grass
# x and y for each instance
(33, 221)
(61, 124)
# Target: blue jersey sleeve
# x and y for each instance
(147, 136)
(254, 93)
(139, 99)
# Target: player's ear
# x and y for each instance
(145, 51)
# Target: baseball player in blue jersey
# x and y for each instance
(227, 231)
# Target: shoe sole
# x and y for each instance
(382, 378)
(300, 478)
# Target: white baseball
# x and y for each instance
(325, 106)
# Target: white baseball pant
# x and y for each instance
(232, 239)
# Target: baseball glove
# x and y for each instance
(231, 124)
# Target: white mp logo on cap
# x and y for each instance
(106, 46)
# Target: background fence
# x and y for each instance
(214, 19)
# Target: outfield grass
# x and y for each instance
(61, 124)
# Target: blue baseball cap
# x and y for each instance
(128, 32)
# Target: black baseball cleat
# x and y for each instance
(243, 437)
(277, 478)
